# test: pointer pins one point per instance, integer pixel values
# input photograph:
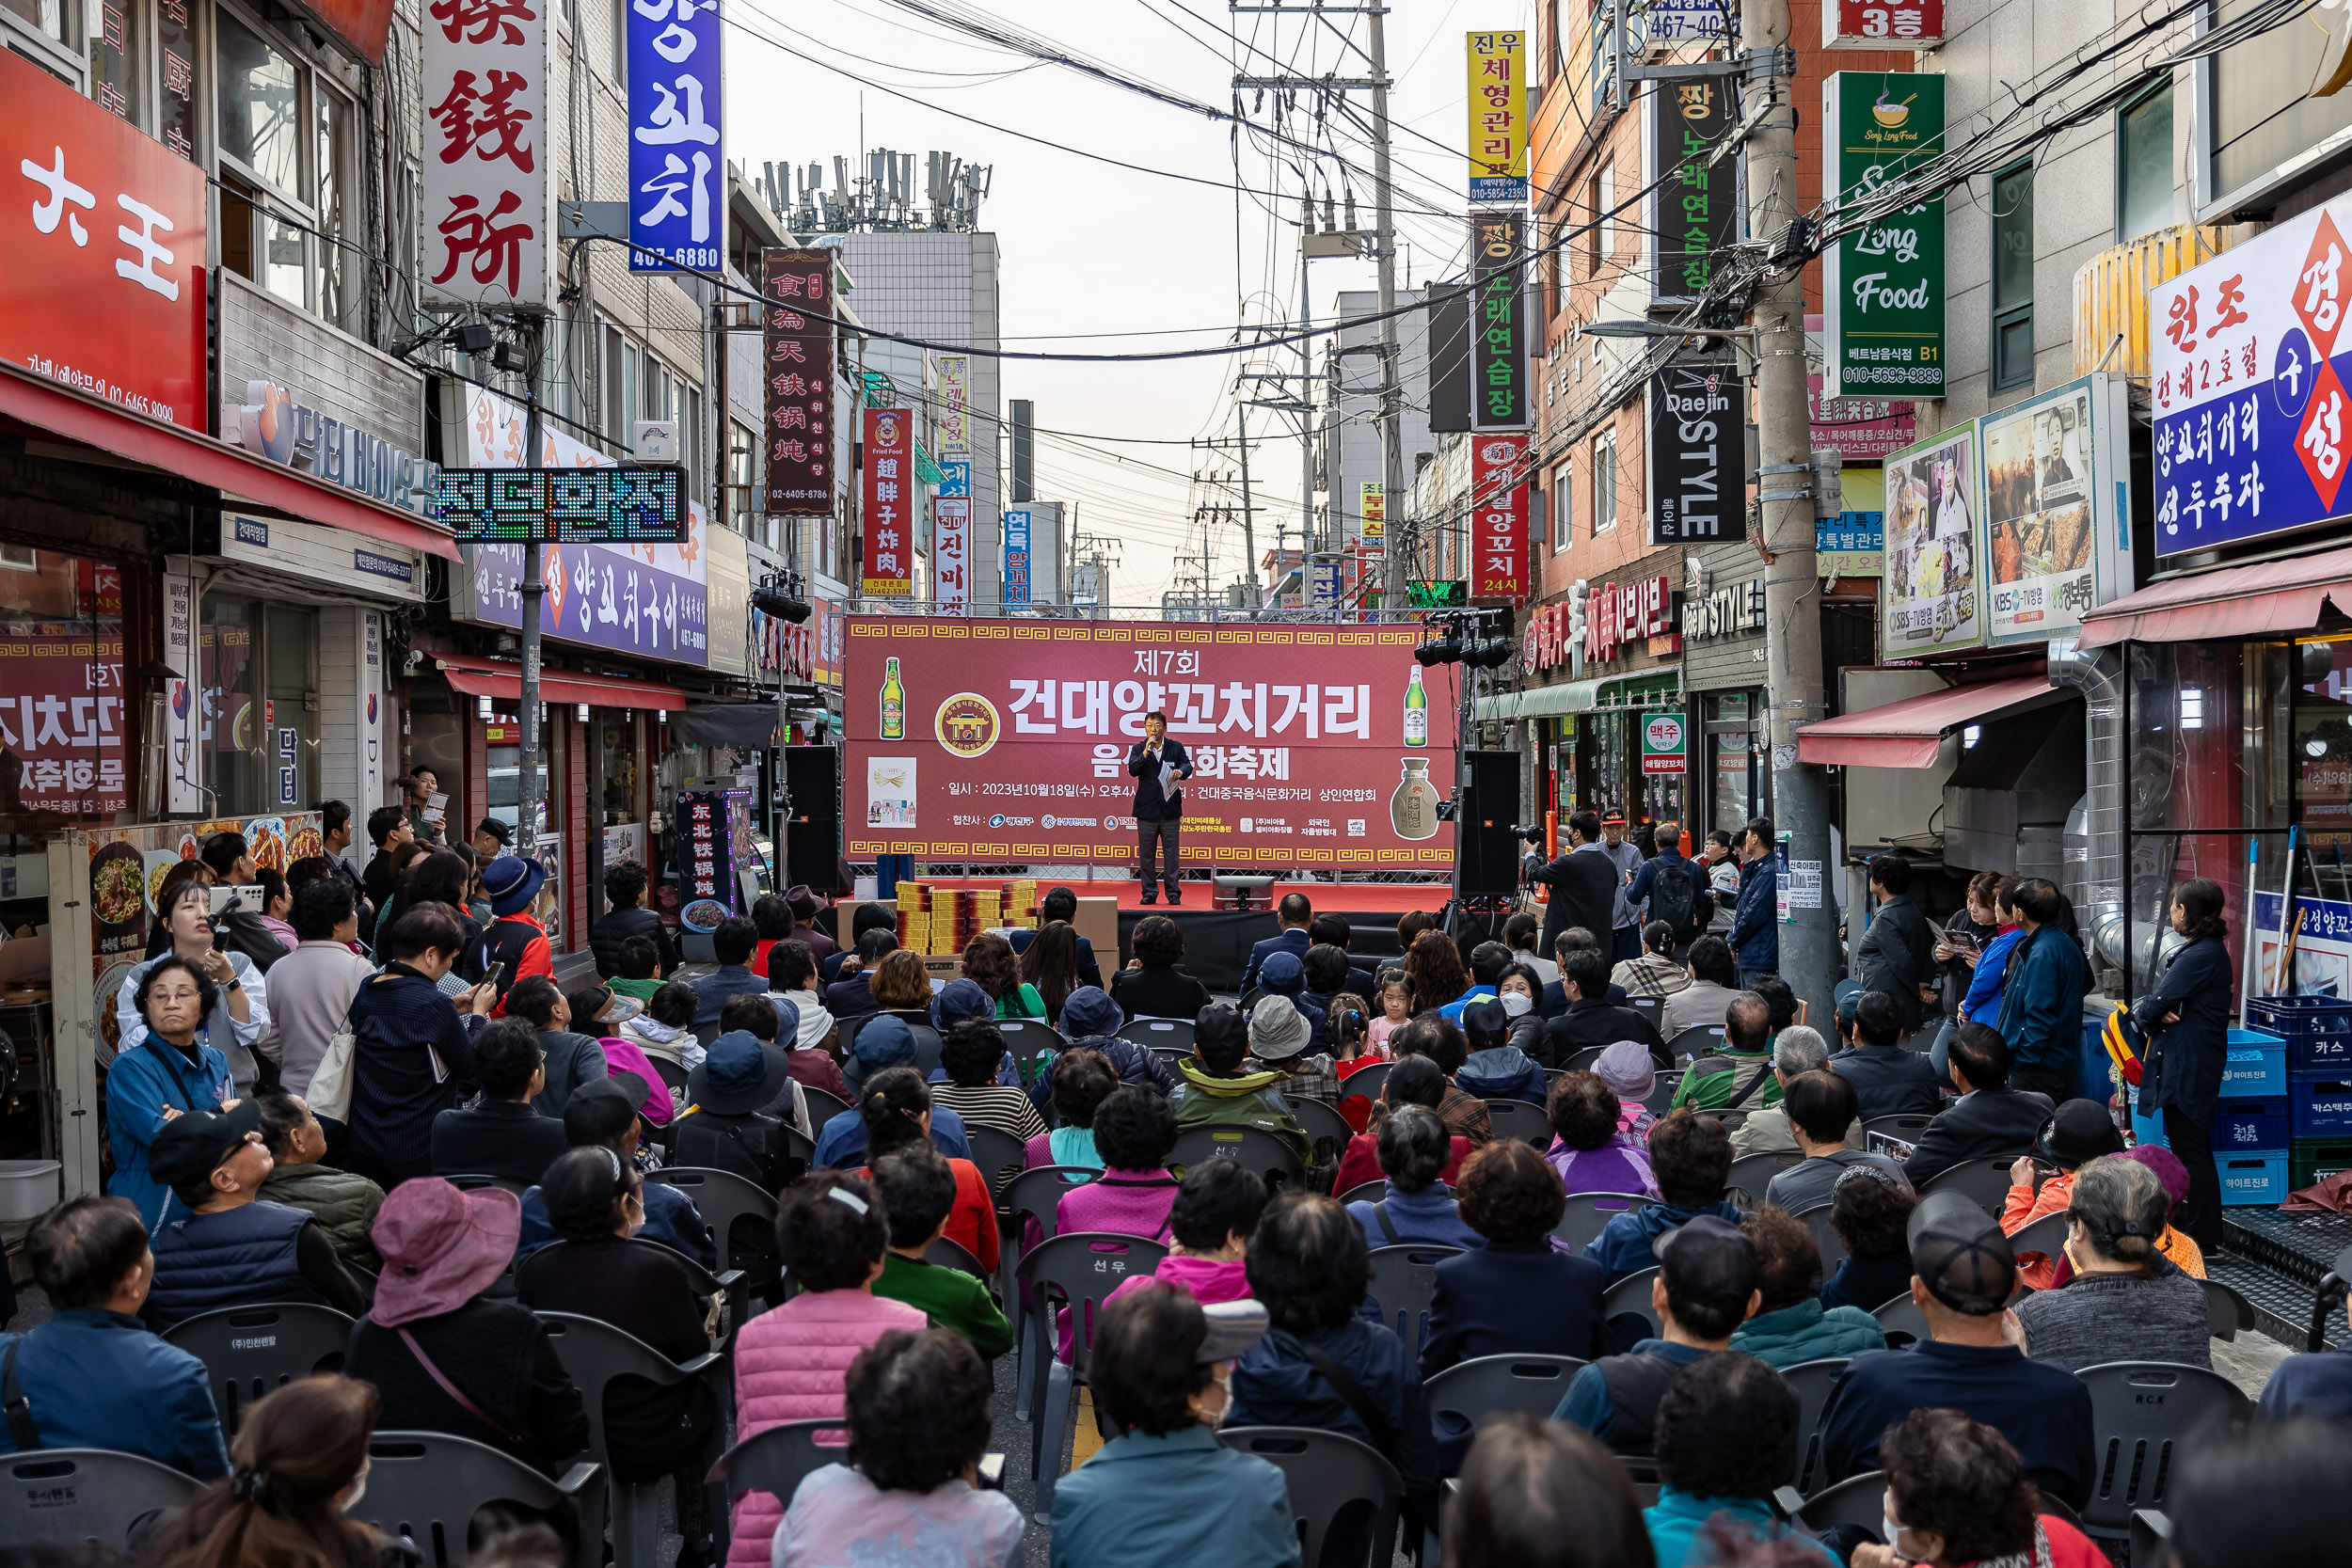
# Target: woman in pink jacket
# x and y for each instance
(1135, 1131)
(792, 1363)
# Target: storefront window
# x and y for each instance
(261, 731)
(232, 723)
(1731, 762)
(620, 769)
(62, 724)
(2202, 723)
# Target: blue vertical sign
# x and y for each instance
(677, 207)
(955, 479)
(1016, 559)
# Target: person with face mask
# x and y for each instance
(1163, 1489)
(301, 1466)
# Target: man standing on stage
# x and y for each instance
(1159, 765)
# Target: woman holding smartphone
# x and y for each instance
(240, 1012)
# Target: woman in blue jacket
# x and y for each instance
(2186, 1019)
(170, 1072)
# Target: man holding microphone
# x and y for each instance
(1158, 764)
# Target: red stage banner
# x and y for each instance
(1007, 740)
(1499, 516)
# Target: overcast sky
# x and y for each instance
(1091, 248)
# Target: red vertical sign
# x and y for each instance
(797, 349)
(1499, 568)
(889, 493)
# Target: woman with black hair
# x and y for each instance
(1413, 1080)
(895, 1107)
(1050, 964)
(171, 1070)
(1869, 1213)
(595, 1203)
(2186, 1019)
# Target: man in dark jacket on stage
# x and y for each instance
(1158, 806)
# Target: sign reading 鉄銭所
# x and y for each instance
(489, 200)
(1883, 286)
(2250, 375)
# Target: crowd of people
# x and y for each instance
(424, 1131)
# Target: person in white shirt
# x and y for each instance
(241, 1016)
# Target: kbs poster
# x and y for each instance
(1007, 740)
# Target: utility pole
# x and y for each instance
(1808, 947)
(1384, 231)
(534, 591)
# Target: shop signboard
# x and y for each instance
(1016, 571)
(1697, 451)
(952, 416)
(1499, 568)
(184, 763)
(1498, 119)
(1007, 740)
(1664, 743)
(1620, 615)
(270, 424)
(890, 495)
(1695, 207)
(104, 228)
(677, 172)
(2057, 505)
(638, 504)
(729, 578)
(1933, 599)
(1850, 545)
(951, 555)
(797, 357)
(715, 841)
(1500, 394)
(490, 195)
(1882, 24)
(324, 555)
(1371, 511)
(1883, 286)
(1861, 431)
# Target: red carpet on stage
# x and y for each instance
(1343, 897)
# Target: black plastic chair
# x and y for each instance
(425, 1485)
(1753, 1173)
(777, 1460)
(248, 1351)
(1813, 1381)
(823, 1106)
(1318, 1120)
(2142, 1413)
(2227, 1313)
(1404, 1283)
(1160, 1034)
(2152, 1537)
(70, 1496)
(673, 1078)
(2335, 1286)
(594, 1354)
(1630, 1296)
(1032, 1194)
(1902, 1321)
(1172, 1055)
(1698, 1041)
(954, 1255)
(1583, 1061)
(1031, 1039)
(1366, 1081)
(1328, 1474)
(1077, 1271)
(1516, 1119)
(1474, 1389)
(1907, 1128)
(2047, 1236)
(472, 1181)
(722, 1198)
(1985, 1180)
(997, 1153)
(1364, 1192)
(1589, 1213)
(1833, 1248)
(1262, 1152)
(1859, 1500)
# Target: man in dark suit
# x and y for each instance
(1886, 1079)
(1591, 1019)
(1296, 916)
(1157, 808)
(852, 995)
(1335, 929)
(1895, 957)
(1063, 905)
(1554, 1000)
(1583, 883)
(1990, 1119)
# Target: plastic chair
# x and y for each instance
(2152, 1536)
(2046, 1235)
(952, 1255)
(777, 1460)
(1631, 1295)
(1075, 1271)
(470, 1181)
(1532, 1385)
(722, 1198)
(248, 1351)
(1367, 1081)
(2227, 1313)
(1516, 1119)
(425, 1485)
(1327, 1474)
(1588, 1214)
(1833, 1249)
(1813, 1381)
(1364, 1192)
(823, 1106)
(1170, 1056)
(1319, 1121)
(2143, 1413)
(673, 1078)
(1661, 1099)
(1902, 1321)
(1753, 1173)
(1907, 1128)
(1030, 1037)
(1032, 1194)
(1856, 1500)
(1583, 1061)
(594, 1354)
(1404, 1283)
(1698, 1041)
(1986, 1181)
(1262, 1152)
(2335, 1286)
(68, 1496)
(1160, 1034)
(997, 1153)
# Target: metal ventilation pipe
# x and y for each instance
(2099, 904)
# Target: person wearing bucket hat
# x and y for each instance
(806, 905)
(725, 1124)
(2077, 1133)
(515, 937)
(1631, 1073)
(1091, 1018)
(887, 1041)
(444, 1358)
(1279, 1039)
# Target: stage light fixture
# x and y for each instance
(1445, 651)
(1490, 653)
(785, 606)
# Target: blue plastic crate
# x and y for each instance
(2319, 1105)
(2317, 1029)
(2252, 1178)
(2257, 1065)
(2250, 1124)
(2148, 1128)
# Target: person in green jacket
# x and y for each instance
(918, 1191)
(1790, 1325)
(1213, 1090)
(344, 1204)
(1741, 1074)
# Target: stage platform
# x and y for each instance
(1369, 898)
(2285, 1255)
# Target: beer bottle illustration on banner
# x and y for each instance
(1416, 711)
(1413, 809)
(894, 704)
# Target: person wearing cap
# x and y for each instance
(1990, 1119)
(232, 1250)
(806, 905)
(1282, 975)
(1690, 1155)
(1705, 1289)
(1326, 971)
(2122, 1300)
(1165, 1489)
(517, 935)
(1791, 1324)
(1765, 1129)
(881, 1044)
(491, 838)
(605, 1115)
(919, 1193)
(94, 1376)
(626, 919)
(1963, 1276)
(1294, 916)
(573, 1058)
(1282, 1041)
(1728, 1435)
(445, 1357)
(1216, 1089)
(1091, 1018)
(507, 1135)
(1737, 1074)
(1496, 1067)
(343, 1202)
(1591, 1019)
(2077, 1133)
(1821, 1117)
(1888, 1080)
(1151, 985)
(1587, 1153)
(1625, 912)
(604, 1011)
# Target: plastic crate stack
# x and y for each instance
(2307, 1104)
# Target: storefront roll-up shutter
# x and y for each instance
(745, 726)
(1909, 733)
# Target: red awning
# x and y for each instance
(72, 416)
(493, 677)
(2270, 598)
(1909, 733)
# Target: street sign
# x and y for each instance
(635, 505)
(1663, 742)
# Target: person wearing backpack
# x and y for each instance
(1675, 887)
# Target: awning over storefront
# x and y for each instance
(1909, 733)
(2271, 598)
(243, 479)
(1646, 689)
(745, 726)
(493, 677)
